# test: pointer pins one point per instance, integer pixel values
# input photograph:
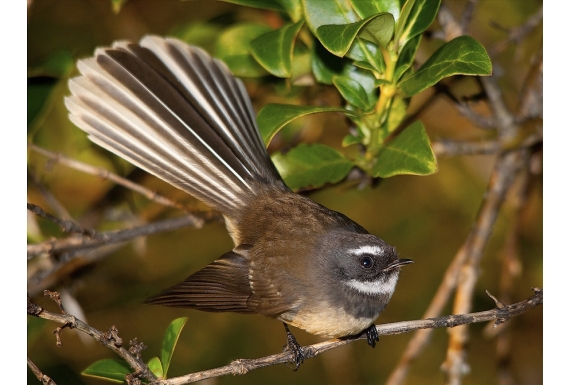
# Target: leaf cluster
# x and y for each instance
(365, 49)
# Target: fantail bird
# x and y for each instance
(172, 110)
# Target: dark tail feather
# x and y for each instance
(177, 113)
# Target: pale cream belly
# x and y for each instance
(337, 323)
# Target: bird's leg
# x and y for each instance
(294, 347)
(372, 335)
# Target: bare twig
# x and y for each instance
(51, 200)
(511, 267)
(501, 180)
(105, 174)
(516, 35)
(473, 245)
(44, 379)
(531, 99)
(66, 225)
(70, 321)
(243, 366)
(77, 244)
(465, 265)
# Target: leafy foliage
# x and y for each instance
(116, 370)
(366, 49)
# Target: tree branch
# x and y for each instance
(106, 174)
(500, 314)
(109, 339)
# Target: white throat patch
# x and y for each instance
(380, 286)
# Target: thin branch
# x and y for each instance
(78, 244)
(454, 148)
(516, 35)
(501, 180)
(51, 200)
(531, 99)
(67, 226)
(44, 379)
(511, 268)
(473, 246)
(108, 339)
(500, 314)
(106, 174)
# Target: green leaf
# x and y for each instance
(110, 370)
(319, 12)
(273, 117)
(397, 113)
(364, 65)
(349, 140)
(325, 65)
(460, 56)
(291, 7)
(379, 30)
(233, 47)
(406, 57)
(169, 342)
(311, 165)
(274, 50)
(338, 38)
(416, 17)
(155, 366)
(353, 93)
(409, 153)
(367, 8)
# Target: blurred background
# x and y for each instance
(426, 218)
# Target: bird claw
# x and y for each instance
(294, 347)
(372, 335)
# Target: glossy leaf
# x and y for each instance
(110, 370)
(273, 117)
(397, 112)
(233, 47)
(460, 56)
(349, 140)
(338, 38)
(169, 342)
(379, 30)
(325, 65)
(311, 165)
(406, 57)
(416, 17)
(367, 8)
(274, 50)
(409, 153)
(291, 7)
(353, 93)
(155, 366)
(319, 12)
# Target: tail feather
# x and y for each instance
(177, 113)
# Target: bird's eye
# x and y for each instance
(366, 262)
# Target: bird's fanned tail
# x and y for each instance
(177, 113)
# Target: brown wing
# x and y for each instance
(223, 285)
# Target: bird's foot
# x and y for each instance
(294, 347)
(372, 335)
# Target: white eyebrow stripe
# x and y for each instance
(380, 286)
(367, 249)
